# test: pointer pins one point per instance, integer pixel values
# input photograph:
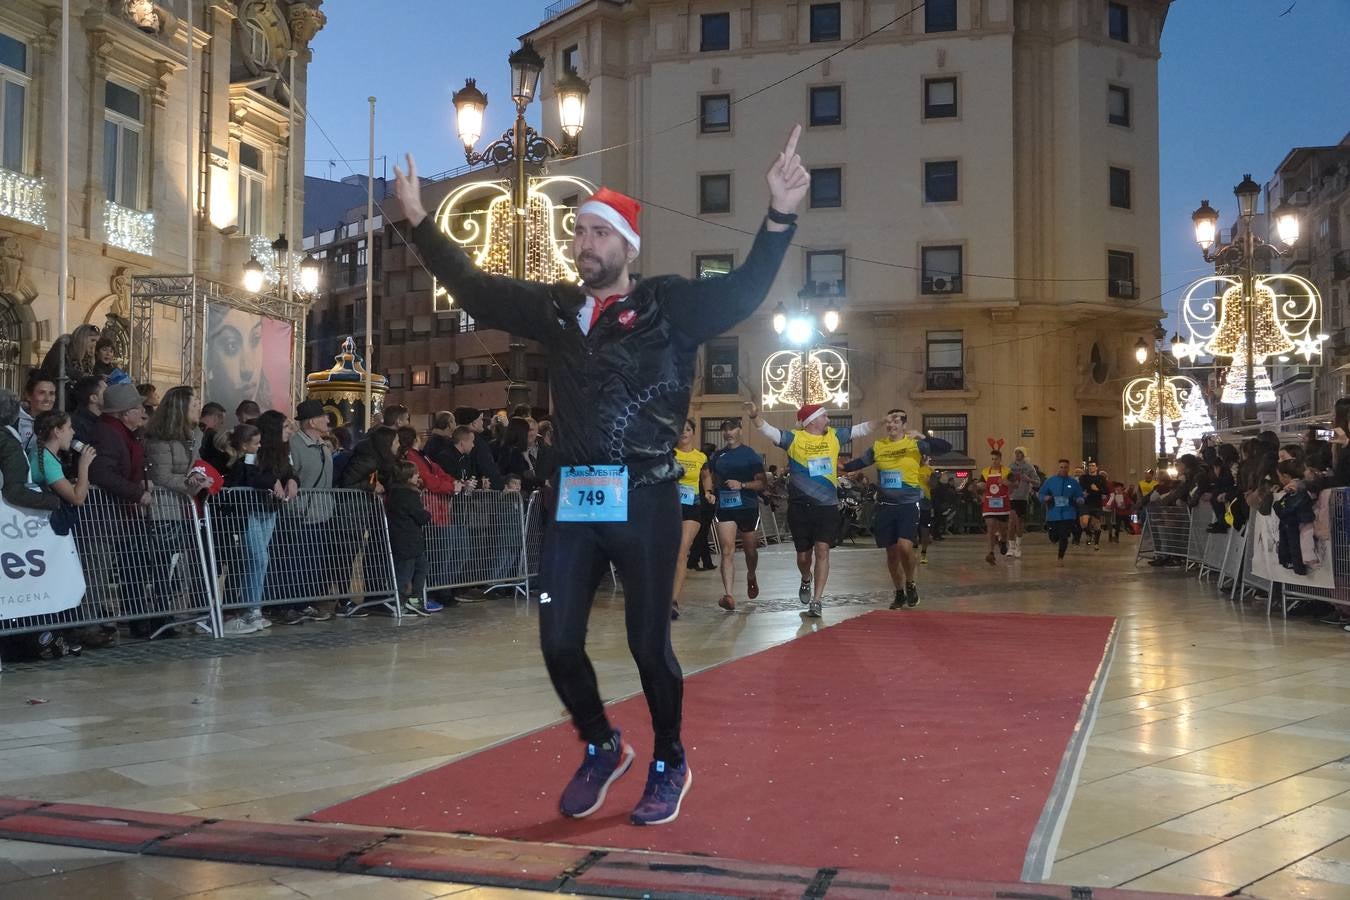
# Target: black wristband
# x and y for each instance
(781, 218)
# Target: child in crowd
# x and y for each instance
(512, 484)
(1119, 508)
(403, 506)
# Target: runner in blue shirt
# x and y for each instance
(736, 474)
(1061, 495)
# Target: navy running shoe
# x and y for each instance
(661, 799)
(585, 793)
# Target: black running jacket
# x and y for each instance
(620, 393)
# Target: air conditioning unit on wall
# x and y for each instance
(723, 370)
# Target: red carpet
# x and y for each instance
(898, 741)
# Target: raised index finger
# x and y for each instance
(791, 147)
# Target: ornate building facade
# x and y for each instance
(984, 210)
(128, 175)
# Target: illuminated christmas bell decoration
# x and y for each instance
(792, 379)
(478, 217)
(1184, 416)
(1286, 315)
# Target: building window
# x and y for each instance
(1118, 105)
(827, 105)
(939, 181)
(844, 421)
(1120, 188)
(1097, 364)
(939, 15)
(14, 83)
(714, 193)
(421, 377)
(1118, 21)
(1120, 275)
(951, 428)
(710, 432)
(252, 189)
(825, 273)
(397, 332)
(720, 375)
(713, 265)
(827, 188)
(1091, 442)
(716, 32)
(945, 370)
(122, 129)
(825, 22)
(256, 47)
(939, 98)
(571, 58)
(714, 113)
(397, 379)
(941, 270)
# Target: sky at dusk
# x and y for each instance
(1241, 83)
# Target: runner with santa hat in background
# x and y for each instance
(813, 491)
(621, 360)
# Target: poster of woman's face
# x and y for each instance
(248, 357)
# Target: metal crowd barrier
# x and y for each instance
(140, 564)
(476, 538)
(1167, 533)
(323, 545)
(1202, 516)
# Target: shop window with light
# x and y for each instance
(252, 190)
(713, 265)
(714, 113)
(123, 130)
(939, 15)
(14, 85)
(421, 377)
(714, 193)
(825, 22)
(940, 270)
(945, 369)
(1120, 275)
(827, 188)
(721, 366)
(939, 98)
(951, 427)
(827, 105)
(715, 32)
(1118, 105)
(825, 273)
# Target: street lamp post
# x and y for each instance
(801, 327)
(1240, 254)
(1141, 352)
(520, 147)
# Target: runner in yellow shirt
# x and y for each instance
(692, 460)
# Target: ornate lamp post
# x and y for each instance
(1249, 326)
(806, 374)
(520, 147)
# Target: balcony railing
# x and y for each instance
(129, 229)
(23, 197)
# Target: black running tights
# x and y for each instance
(576, 557)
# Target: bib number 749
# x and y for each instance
(590, 498)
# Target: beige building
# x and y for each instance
(128, 165)
(985, 192)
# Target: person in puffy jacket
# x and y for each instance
(407, 517)
(621, 356)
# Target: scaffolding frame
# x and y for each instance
(189, 296)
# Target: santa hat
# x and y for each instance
(809, 413)
(619, 211)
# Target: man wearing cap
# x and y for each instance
(312, 460)
(485, 466)
(813, 491)
(120, 470)
(735, 476)
(621, 361)
(900, 492)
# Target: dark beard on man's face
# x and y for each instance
(603, 275)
